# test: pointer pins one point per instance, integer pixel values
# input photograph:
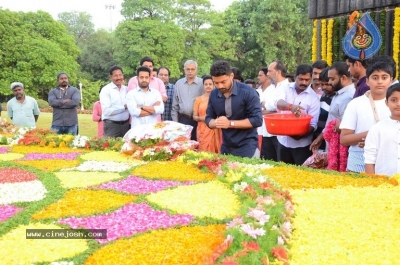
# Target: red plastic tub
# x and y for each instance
(287, 123)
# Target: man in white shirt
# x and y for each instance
(144, 103)
(276, 72)
(299, 96)
(113, 103)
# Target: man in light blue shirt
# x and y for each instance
(144, 103)
(23, 110)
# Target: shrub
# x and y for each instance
(42, 103)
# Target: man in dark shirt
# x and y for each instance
(235, 108)
(326, 100)
(163, 74)
(358, 70)
(64, 100)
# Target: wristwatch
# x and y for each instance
(231, 124)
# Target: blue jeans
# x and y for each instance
(65, 129)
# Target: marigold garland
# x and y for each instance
(84, 203)
(173, 170)
(352, 225)
(323, 39)
(329, 44)
(213, 199)
(314, 41)
(396, 38)
(299, 179)
(187, 245)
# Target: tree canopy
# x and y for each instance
(249, 34)
(34, 48)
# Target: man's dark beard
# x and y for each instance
(338, 86)
(143, 86)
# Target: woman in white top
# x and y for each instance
(363, 112)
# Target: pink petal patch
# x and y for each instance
(44, 156)
(3, 150)
(136, 185)
(8, 211)
(128, 220)
(11, 175)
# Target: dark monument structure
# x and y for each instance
(381, 11)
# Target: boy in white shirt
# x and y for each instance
(363, 112)
(382, 151)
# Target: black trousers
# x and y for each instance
(269, 148)
(191, 122)
(115, 130)
(295, 156)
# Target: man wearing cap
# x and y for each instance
(23, 110)
(64, 100)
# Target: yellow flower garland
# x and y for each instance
(314, 41)
(396, 36)
(323, 39)
(329, 44)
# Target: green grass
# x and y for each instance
(86, 125)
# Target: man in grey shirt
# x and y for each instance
(187, 89)
(340, 80)
(64, 100)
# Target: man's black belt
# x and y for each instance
(185, 116)
(116, 122)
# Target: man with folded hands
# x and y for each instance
(144, 102)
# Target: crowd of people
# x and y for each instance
(354, 106)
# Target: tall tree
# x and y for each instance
(78, 24)
(268, 30)
(98, 55)
(163, 10)
(163, 42)
(34, 48)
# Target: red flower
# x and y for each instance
(252, 246)
(251, 191)
(280, 254)
(105, 145)
(265, 185)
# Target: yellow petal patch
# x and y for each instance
(84, 203)
(108, 156)
(10, 156)
(50, 165)
(350, 225)
(187, 245)
(78, 179)
(298, 179)
(44, 149)
(173, 170)
(16, 249)
(213, 199)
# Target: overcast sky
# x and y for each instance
(102, 17)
